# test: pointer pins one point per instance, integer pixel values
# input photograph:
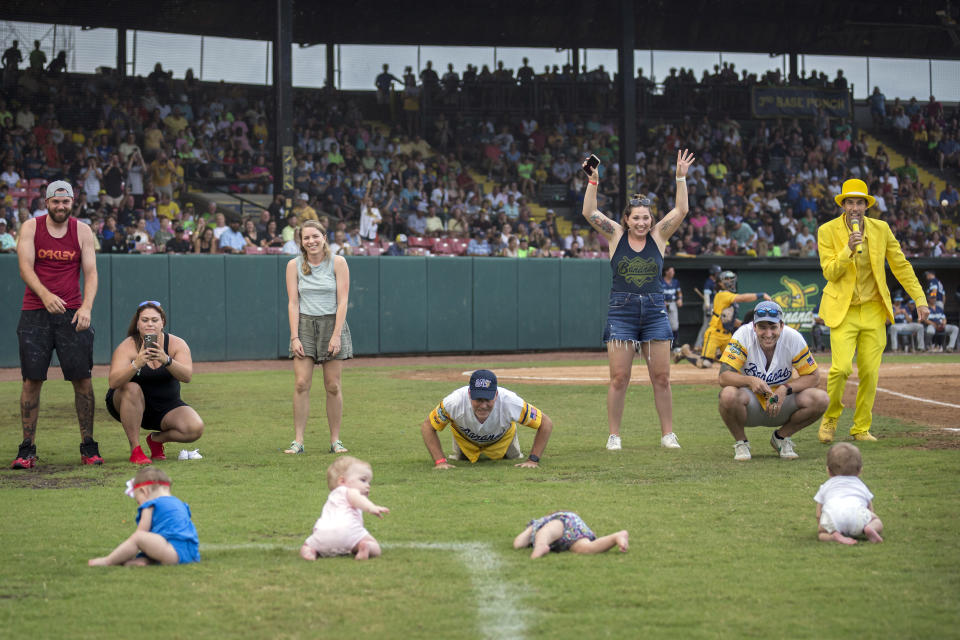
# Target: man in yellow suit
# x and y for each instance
(856, 302)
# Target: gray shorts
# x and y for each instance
(317, 330)
(757, 417)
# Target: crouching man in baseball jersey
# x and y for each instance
(484, 419)
(755, 372)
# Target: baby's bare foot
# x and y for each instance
(623, 540)
(308, 553)
(872, 535)
(97, 562)
(363, 551)
(842, 539)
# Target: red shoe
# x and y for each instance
(137, 457)
(156, 449)
(90, 452)
(26, 456)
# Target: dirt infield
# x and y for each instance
(927, 394)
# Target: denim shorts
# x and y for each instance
(637, 318)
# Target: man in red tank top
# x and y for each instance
(52, 250)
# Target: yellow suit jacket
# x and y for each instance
(837, 262)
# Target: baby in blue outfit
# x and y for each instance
(165, 533)
(566, 531)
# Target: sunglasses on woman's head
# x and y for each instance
(637, 201)
(146, 302)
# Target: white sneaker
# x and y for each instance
(669, 441)
(741, 450)
(190, 455)
(613, 443)
(783, 446)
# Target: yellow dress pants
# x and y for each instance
(862, 332)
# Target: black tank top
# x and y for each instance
(637, 271)
(158, 385)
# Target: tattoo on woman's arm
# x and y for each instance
(600, 220)
(725, 367)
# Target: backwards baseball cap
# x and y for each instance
(483, 385)
(768, 311)
(59, 186)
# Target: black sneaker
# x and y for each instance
(26, 456)
(90, 452)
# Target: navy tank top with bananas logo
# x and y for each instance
(637, 271)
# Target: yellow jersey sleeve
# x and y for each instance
(734, 355)
(530, 416)
(439, 418)
(721, 301)
(804, 363)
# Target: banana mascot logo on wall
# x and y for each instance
(798, 301)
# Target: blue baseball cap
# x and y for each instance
(767, 311)
(483, 385)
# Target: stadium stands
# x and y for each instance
(749, 191)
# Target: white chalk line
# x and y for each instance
(566, 379)
(506, 375)
(499, 613)
(909, 397)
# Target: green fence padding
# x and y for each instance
(450, 304)
(283, 320)
(495, 304)
(102, 312)
(252, 304)
(198, 304)
(538, 303)
(133, 279)
(403, 304)
(585, 294)
(11, 293)
(235, 307)
(363, 308)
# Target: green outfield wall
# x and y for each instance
(235, 307)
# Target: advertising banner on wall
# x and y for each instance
(799, 102)
(798, 292)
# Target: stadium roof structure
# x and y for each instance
(888, 28)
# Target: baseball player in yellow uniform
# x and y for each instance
(856, 302)
(484, 420)
(723, 322)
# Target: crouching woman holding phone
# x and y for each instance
(145, 375)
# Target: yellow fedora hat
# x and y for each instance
(854, 189)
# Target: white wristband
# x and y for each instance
(682, 179)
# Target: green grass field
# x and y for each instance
(718, 549)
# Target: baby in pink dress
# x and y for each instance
(340, 530)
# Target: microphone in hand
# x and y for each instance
(856, 229)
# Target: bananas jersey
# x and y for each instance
(494, 435)
(744, 354)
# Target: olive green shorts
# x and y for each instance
(317, 330)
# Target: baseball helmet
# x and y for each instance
(715, 269)
(728, 279)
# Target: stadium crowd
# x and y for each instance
(469, 186)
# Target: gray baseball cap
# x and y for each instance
(59, 185)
